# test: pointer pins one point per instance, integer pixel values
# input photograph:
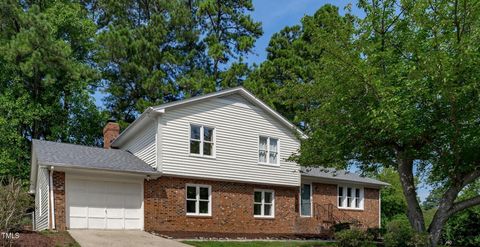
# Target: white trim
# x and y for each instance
(197, 199)
(262, 211)
(300, 200)
(40, 201)
(52, 199)
(344, 196)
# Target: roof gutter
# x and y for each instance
(152, 174)
(338, 180)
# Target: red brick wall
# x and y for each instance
(59, 200)
(232, 210)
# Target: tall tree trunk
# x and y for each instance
(405, 169)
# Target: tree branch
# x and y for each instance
(459, 206)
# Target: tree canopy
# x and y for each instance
(396, 88)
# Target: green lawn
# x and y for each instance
(258, 243)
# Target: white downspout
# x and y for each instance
(52, 201)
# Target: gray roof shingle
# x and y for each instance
(339, 175)
(78, 156)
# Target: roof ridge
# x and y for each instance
(77, 145)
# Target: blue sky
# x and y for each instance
(277, 14)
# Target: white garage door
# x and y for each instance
(94, 204)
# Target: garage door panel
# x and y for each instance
(132, 224)
(98, 204)
(78, 222)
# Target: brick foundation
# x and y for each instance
(59, 200)
(232, 210)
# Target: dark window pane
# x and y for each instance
(207, 148)
(268, 197)
(191, 192)
(267, 210)
(195, 147)
(207, 134)
(257, 209)
(190, 206)
(357, 192)
(340, 191)
(349, 202)
(349, 192)
(357, 202)
(263, 143)
(203, 193)
(203, 207)
(340, 201)
(305, 200)
(258, 196)
(195, 132)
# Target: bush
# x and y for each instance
(375, 233)
(14, 203)
(340, 227)
(400, 234)
(353, 238)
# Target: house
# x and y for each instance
(213, 165)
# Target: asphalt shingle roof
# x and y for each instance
(339, 175)
(78, 156)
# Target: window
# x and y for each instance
(306, 200)
(263, 203)
(340, 197)
(202, 140)
(350, 197)
(199, 200)
(357, 198)
(268, 150)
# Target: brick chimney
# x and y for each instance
(110, 132)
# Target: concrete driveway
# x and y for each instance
(94, 238)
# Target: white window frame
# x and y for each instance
(197, 199)
(311, 200)
(262, 211)
(202, 141)
(353, 197)
(268, 151)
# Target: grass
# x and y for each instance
(61, 238)
(292, 243)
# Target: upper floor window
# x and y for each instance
(350, 197)
(202, 140)
(268, 150)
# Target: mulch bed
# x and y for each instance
(43, 239)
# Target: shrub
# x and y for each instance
(340, 226)
(14, 203)
(400, 234)
(375, 233)
(353, 238)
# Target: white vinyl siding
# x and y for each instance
(238, 126)
(41, 200)
(143, 145)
